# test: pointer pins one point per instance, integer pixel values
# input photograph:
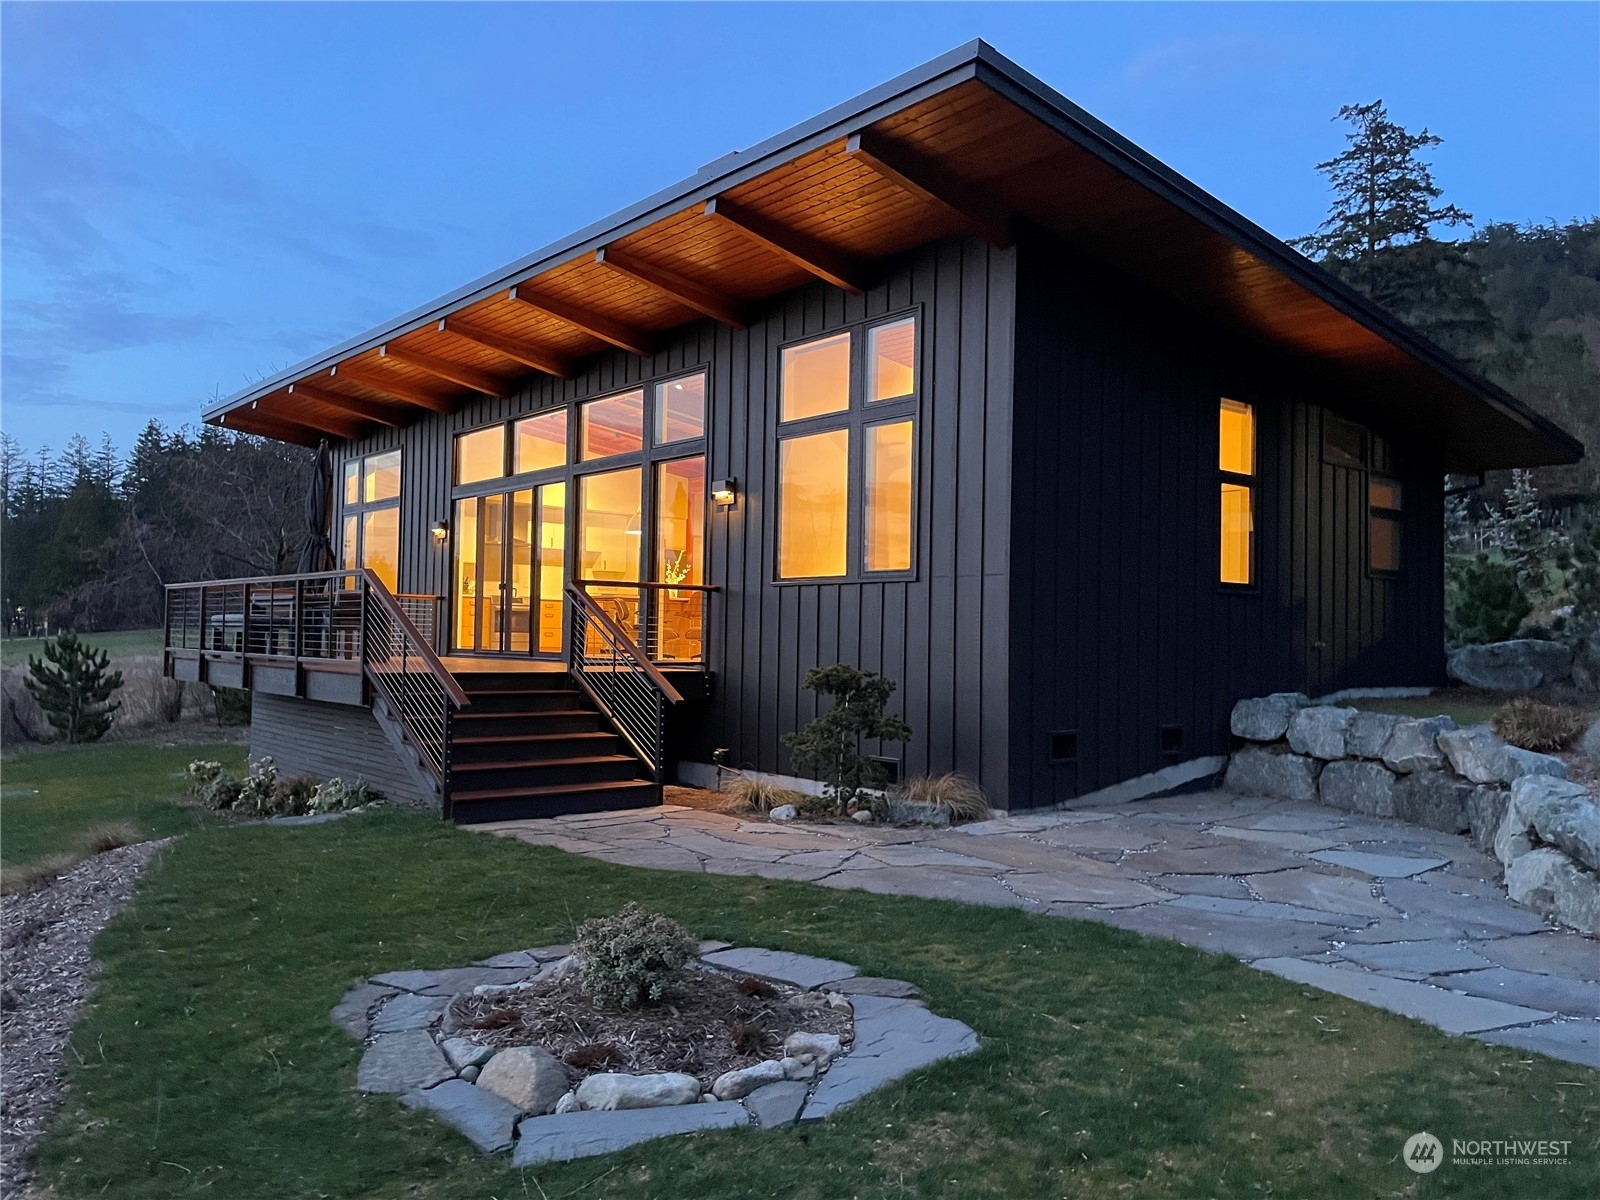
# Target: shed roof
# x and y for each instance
(963, 143)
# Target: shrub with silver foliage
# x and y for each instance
(629, 957)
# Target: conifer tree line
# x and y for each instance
(90, 538)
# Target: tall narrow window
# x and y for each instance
(1236, 461)
(1384, 523)
(887, 531)
(370, 529)
(813, 504)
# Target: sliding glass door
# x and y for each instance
(509, 566)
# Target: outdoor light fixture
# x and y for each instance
(725, 493)
(440, 530)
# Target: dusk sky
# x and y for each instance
(198, 195)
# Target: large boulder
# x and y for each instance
(1266, 718)
(1476, 753)
(1586, 663)
(1414, 744)
(1356, 786)
(1515, 666)
(1589, 743)
(1369, 733)
(1486, 808)
(1550, 811)
(1520, 762)
(1320, 731)
(527, 1078)
(1548, 882)
(1434, 800)
(610, 1092)
(1259, 771)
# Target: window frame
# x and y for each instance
(1251, 483)
(360, 507)
(859, 414)
(1386, 513)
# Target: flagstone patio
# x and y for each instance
(1389, 914)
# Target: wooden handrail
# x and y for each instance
(625, 584)
(264, 579)
(377, 591)
(625, 643)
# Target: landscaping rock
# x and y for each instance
(563, 967)
(402, 1062)
(1368, 733)
(1486, 808)
(893, 1038)
(869, 985)
(1553, 811)
(777, 1104)
(351, 1013)
(1515, 666)
(462, 1053)
(408, 1012)
(1586, 664)
(449, 981)
(568, 1103)
(1414, 744)
(581, 1134)
(799, 1068)
(824, 1047)
(784, 813)
(526, 1077)
(800, 969)
(614, 1091)
(1258, 771)
(1520, 762)
(863, 816)
(917, 812)
(470, 1074)
(1589, 743)
(1357, 786)
(1320, 731)
(736, 1085)
(486, 1120)
(1433, 800)
(1266, 718)
(1475, 752)
(1548, 882)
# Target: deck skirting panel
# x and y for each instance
(305, 737)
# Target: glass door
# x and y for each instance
(496, 584)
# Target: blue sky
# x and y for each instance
(194, 196)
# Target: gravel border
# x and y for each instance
(45, 934)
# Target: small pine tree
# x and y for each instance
(74, 688)
(830, 746)
(1484, 602)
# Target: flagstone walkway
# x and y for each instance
(1392, 915)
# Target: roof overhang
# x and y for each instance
(966, 143)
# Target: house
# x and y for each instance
(950, 382)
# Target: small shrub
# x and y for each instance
(959, 795)
(1535, 726)
(232, 705)
(630, 957)
(213, 785)
(1484, 602)
(111, 835)
(292, 797)
(762, 795)
(759, 988)
(595, 1055)
(35, 874)
(338, 796)
(256, 789)
(818, 806)
(829, 748)
(749, 1037)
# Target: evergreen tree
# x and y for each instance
(74, 688)
(830, 746)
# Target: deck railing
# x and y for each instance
(667, 621)
(292, 617)
(619, 677)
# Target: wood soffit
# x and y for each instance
(972, 157)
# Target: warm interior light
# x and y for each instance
(724, 492)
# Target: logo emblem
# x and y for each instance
(1423, 1153)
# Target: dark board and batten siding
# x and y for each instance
(1120, 626)
(326, 741)
(942, 635)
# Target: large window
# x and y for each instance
(613, 425)
(370, 536)
(1236, 462)
(847, 453)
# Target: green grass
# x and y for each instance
(1463, 712)
(1112, 1065)
(80, 786)
(126, 643)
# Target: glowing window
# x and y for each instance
(481, 454)
(381, 477)
(813, 504)
(541, 442)
(380, 544)
(352, 481)
(816, 378)
(1236, 460)
(892, 360)
(614, 425)
(1385, 520)
(680, 409)
(887, 529)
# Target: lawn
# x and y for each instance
(53, 793)
(1112, 1065)
(127, 643)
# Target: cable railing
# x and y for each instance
(619, 677)
(309, 616)
(667, 621)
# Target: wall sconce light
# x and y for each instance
(725, 493)
(440, 530)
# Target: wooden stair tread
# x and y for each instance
(527, 712)
(501, 764)
(558, 789)
(489, 739)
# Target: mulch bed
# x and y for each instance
(46, 932)
(705, 1024)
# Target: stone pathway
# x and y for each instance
(1395, 916)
